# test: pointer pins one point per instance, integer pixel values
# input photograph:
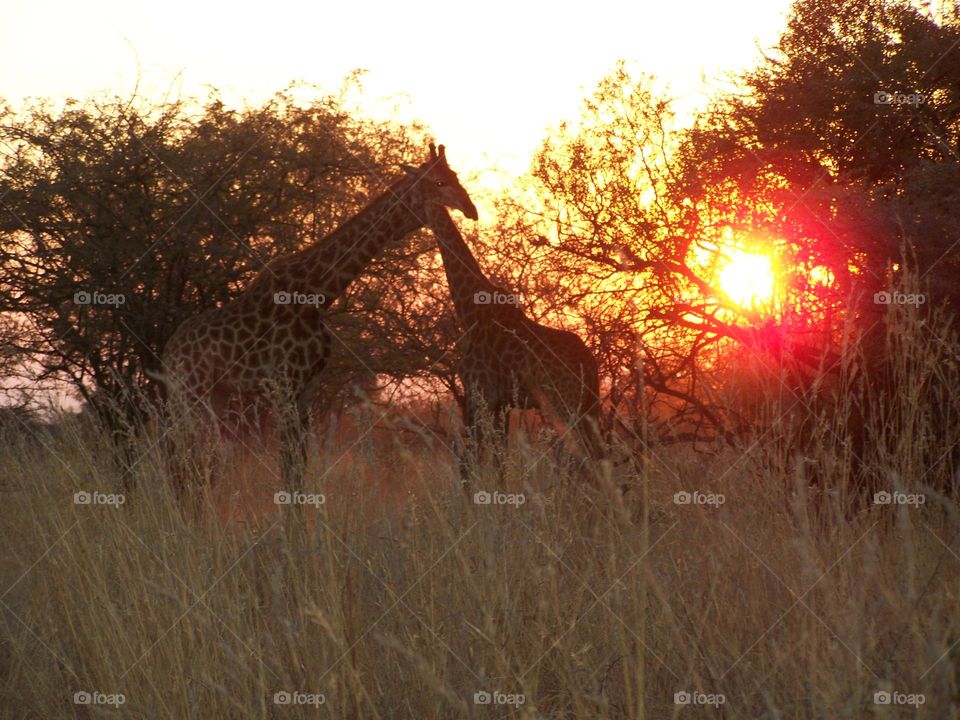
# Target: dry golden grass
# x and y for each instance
(400, 597)
(585, 605)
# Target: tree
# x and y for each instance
(606, 240)
(118, 221)
(838, 153)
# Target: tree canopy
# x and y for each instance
(120, 219)
(837, 156)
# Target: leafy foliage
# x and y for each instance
(172, 208)
(838, 153)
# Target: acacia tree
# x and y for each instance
(849, 134)
(606, 242)
(846, 140)
(823, 155)
(118, 221)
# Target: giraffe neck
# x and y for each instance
(464, 276)
(330, 264)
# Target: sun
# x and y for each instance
(747, 278)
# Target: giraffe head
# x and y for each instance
(435, 183)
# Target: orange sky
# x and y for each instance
(488, 77)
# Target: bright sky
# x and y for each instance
(489, 77)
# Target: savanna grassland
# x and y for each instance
(761, 299)
(764, 591)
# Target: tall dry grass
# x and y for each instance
(400, 597)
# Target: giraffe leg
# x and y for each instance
(487, 420)
(590, 436)
(502, 444)
(292, 397)
(293, 422)
(469, 451)
(293, 453)
(473, 458)
(492, 435)
(175, 453)
(188, 447)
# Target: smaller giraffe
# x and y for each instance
(507, 359)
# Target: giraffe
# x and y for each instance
(507, 359)
(270, 344)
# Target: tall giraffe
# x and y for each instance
(507, 359)
(270, 344)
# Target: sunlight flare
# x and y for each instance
(748, 278)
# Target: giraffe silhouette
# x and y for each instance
(269, 345)
(508, 360)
